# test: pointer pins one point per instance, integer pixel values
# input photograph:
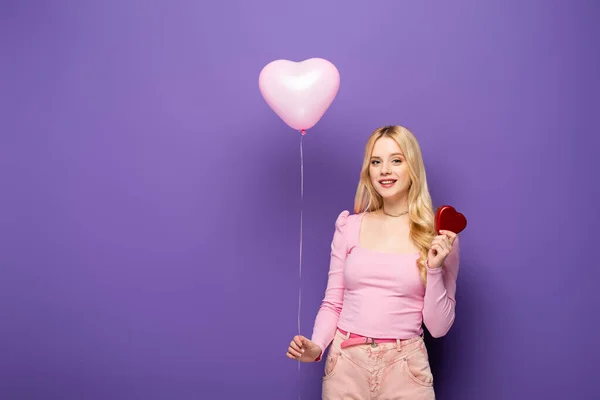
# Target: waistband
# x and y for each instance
(353, 339)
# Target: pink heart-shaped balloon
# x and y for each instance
(299, 92)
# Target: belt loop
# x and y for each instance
(398, 346)
(347, 335)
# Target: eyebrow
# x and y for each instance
(394, 154)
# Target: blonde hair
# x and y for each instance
(420, 208)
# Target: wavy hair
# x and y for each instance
(420, 208)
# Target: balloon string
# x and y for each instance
(301, 212)
(300, 263)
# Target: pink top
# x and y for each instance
(380, 295)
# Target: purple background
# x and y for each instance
(150, 198)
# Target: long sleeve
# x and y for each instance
(331, 306)
(439, 302)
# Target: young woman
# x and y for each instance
(390, 272)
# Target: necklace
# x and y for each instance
(392, 215)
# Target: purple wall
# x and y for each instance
(150, 198)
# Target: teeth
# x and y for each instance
(387, 182)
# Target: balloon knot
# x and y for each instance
(303, 132)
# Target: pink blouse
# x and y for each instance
(380, 295)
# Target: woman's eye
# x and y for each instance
(374, 162)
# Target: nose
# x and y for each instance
(385, 169)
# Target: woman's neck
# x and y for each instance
(395, 207)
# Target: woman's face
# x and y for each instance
(388, 169)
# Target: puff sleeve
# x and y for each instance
(440, 302)
(331, 306)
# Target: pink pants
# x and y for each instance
(387, 371)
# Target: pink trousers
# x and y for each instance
(386, 371)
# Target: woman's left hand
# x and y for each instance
(440, 248)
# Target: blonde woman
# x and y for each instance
(389, 274)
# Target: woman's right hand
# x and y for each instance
(303, 349)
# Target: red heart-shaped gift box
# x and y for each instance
(448, 219)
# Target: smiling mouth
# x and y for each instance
(387, 182)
